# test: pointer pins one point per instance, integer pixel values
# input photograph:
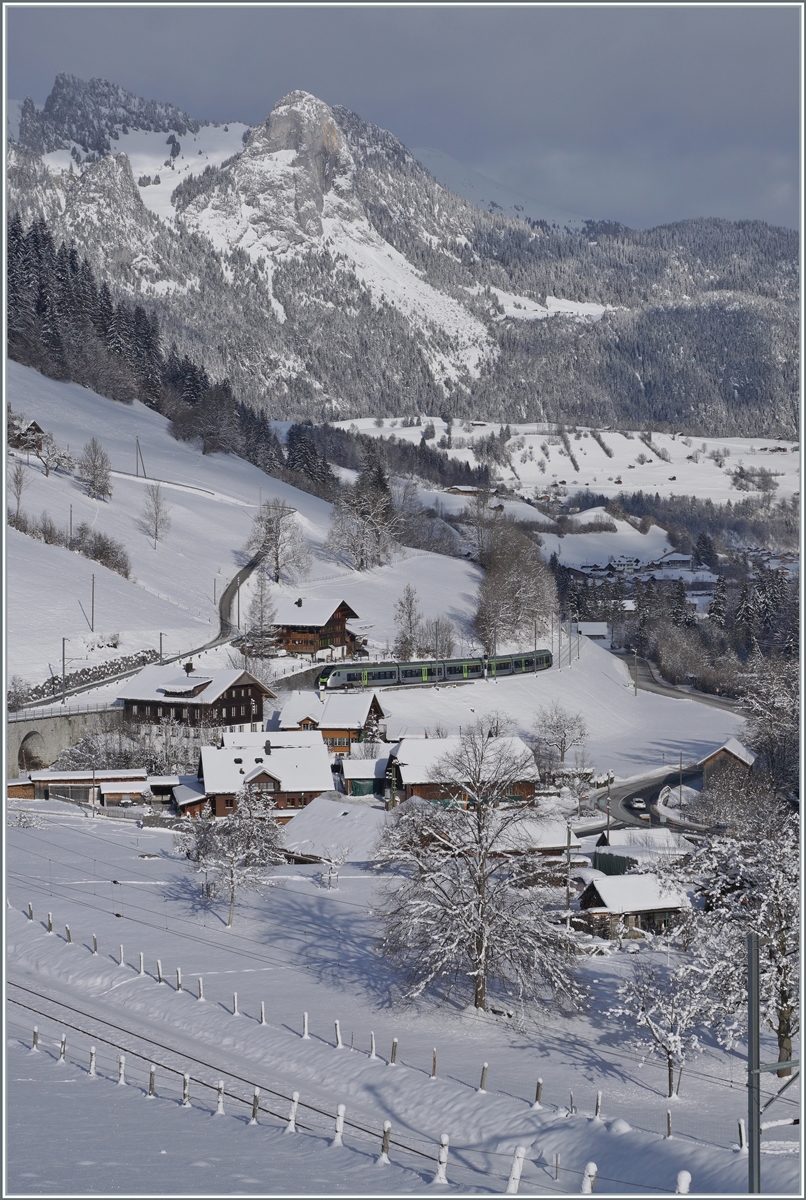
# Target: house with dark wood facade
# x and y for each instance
(288, 776)
(195, 698)
(304, 626)
(342, 718)
(414, 765)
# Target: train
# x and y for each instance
(447, 670)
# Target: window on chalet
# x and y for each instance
(148, 710)
(229, 802)
(186, 713)
(159, 710)
(135, 709)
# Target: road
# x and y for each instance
(650, 681)
(645, 787)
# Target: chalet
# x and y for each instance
(315, 627)
(636, 902)
(23, 434)
(288, 776)
(209, 698)
(597, 631)
(415, 762)
(732, 751)
(342, 718)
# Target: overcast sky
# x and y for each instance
(641, 114)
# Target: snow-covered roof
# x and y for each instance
(163, 780)
(278, 739)
(136, 786)
(311, 612)
(592, 628)
(301, 706)
(330, 824)
(637, 893)
(347, 711)
(295, 768)
(418, 758)
(734, 747)
(162, 683)
(530, 833)
(364, 768)
(189, 790)
(644, 839)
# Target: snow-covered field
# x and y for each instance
(304, 948)
(212, 501)
(690, 471)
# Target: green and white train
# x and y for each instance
(448, 670)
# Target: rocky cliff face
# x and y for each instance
(317, 264)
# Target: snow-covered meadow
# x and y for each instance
(304, 948)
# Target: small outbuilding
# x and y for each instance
(636, 902)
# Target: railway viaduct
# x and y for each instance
(37, 741)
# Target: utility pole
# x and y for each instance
(753, 1072)
(570, 646)
(161, 636)
(635, 657)
(680, 794)
(608, 808)
(214, 581)
(568, 877)
(71, 528)
(64, 673)
(92, 609)
(238, 622)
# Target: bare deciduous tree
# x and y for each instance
(261, 631)
(557, 731)
(408, 623)
(155, 520)
(277, 536)
(517, 594)
(52, 456)
(18, 481)
(470, 903)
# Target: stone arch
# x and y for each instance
(32, 754)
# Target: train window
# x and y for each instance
(528, 663)
(410, 674)
(454, 670)
(518, 664)
(474, 669)
(352, 676)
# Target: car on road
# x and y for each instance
(638, 803)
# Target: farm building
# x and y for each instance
(315, 627)
(363, 776)
(332, 830)
(637, 902)
(416, 761)
(732, 751)
(90, 787)
(209, 698)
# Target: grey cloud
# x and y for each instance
(638, 113)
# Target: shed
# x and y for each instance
(731, 751)
(331, 829)
(364, 776)
(641, 902)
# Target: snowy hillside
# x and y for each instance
(174, 589)
(538, 459)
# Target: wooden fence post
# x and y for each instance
(571, 1102)
(30, 911)
(219, 1112)
(50, 922)
(94, 944)
(538, 1094)
(152, 1082)
(159, 971)
(372, 1053)
(515, 1172)
(434, 1064)
(387, 1135)
(483, 1084)
(122, 1070)
(186, 1091)
(121, 962)
(92, 1063)
(291, 1127)
(683, 1183)
(262, 1013)
(305, 1035)
(142, 968)
(255, 1106)
(338, 1037)
(588, 1178)
(179, 979)
(235, 1004)
(393, 1058)
(63, 1048)
(201, 988)
(598, 1110)
(339, 1126)
(742, 1135)
(668, 1122)
(556, 1166)
(442, 1160)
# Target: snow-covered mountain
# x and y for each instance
(316, 263)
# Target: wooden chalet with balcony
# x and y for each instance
(197, 698)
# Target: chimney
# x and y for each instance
(298, 602)
(189, 667)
